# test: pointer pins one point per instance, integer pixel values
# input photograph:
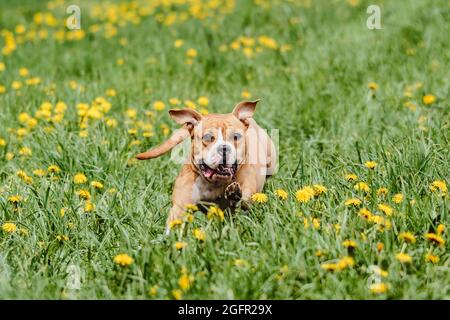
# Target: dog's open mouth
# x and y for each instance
(222, 172)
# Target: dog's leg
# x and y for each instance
(233, 194)
(182, 195)
(250, 181)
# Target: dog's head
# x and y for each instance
(218, 141)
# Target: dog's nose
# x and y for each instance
(223, 149)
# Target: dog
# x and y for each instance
(230, 158)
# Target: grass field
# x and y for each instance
(363, 120)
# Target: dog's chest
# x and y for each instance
(203, 191)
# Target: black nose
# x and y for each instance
(223, 149)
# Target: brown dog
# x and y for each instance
(230, 157)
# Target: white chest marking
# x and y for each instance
(204, 191)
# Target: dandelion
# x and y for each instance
(431, 258)
(123, 260)
(9, 227)
(53, 169)
(178, 43)
(382, 192)
(345, 262)
(39, 172)
(362, 186)
(159, 105)
(191, 53)
(407, 237)
(179, 245)
(199, 234)
(435, 239)
(89, 207)
(439, 185)
(185, 282)
(246, 94)
(2, 142)
(351, 177)
(353, 202)
(281, 194)
(319, 189)
(15, 199)
(25, 151)
(440, 229)
(240, 263)
(215, 211)
(153, 290)
(329, 266)
(372, 86)
(97, 185)
(305, 194)
(379, 288)
(203, 101)
(350, 244)
(385, 209)
(380, 246)
(191, 207)
(174, 223)
(429, 99)
(365, 213)
(174, 101)
(259, 197)
(84, 194)
(403, 257)
(397, 198)
(79, 178)
(177, 294)
(371, 164)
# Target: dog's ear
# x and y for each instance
(187, 117)
(245, 109)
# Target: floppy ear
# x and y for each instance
(245, 109)
(188, 119)
(185, 116)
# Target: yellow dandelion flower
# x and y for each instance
(177, 294)
(439, 185)
(281, 194)
(9, 227)
(246, 94)
(382, 192)
(123, 260)
(174, 223)
(84, 194)
(371, 164)
(203, 101)
(240, 263)
(53, 169)
(79, 178)
(180, 245)
(329, 266)
(259, 197)
(372, 86)
(97, 185)
(199, 234)
(435, 239)
(25, 151)
(351, 177)
(159, 105)
(362, 186)
(353, 202)
(153, 290)
(379, 288)
(380, 246)
(403, 257)
(305, 194)
(39, 172)
(185, 282)
(365, 213)
(89, 207)
(350, 244)
(440, 229)
(215, 211)
(191, 207)
(429, 99)
(15, 199)
(385, 209)
(407, 237)
(397, 198)
(319, 189)
(191, 53)
(431, 258)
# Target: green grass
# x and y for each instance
(315, 94)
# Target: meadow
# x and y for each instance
(359, 208)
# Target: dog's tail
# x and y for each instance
(177, 137)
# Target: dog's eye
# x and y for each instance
(237, 136)
(208, 137)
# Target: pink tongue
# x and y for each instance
(209, 172)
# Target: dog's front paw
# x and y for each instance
(233, 193)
